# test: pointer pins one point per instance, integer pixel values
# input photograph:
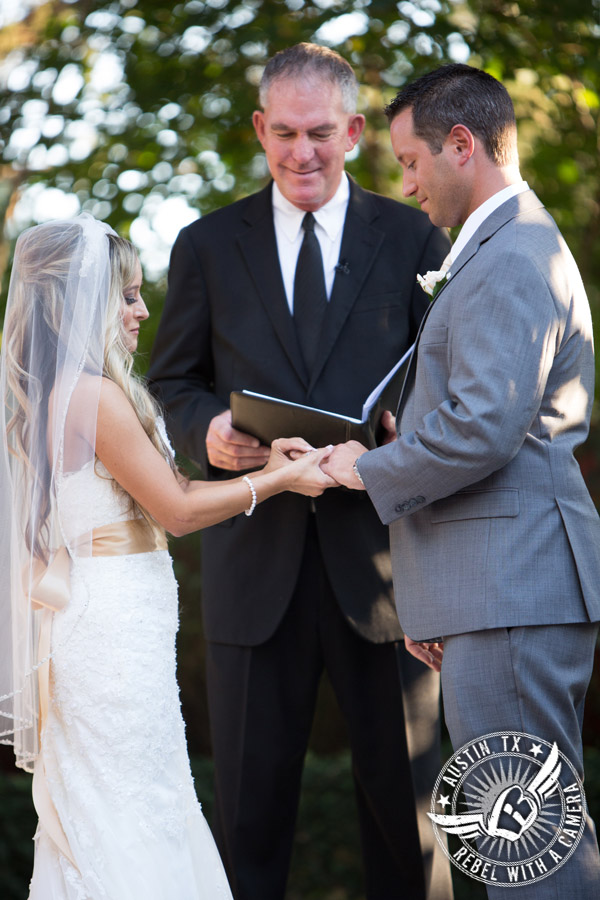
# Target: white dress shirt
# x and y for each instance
(329, 226)
(481, 213)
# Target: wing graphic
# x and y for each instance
(467, 825)
(544, 783)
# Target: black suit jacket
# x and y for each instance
(226, 326)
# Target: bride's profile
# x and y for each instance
(88, 600)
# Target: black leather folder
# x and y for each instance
(268, 417)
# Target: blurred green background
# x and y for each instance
(140, 112)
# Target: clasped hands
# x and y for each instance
(228, 448)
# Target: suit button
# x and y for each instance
(410, 504)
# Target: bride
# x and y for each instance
(88, 601)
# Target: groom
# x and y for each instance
(495, 539)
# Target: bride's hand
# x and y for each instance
(303, 475)
(284, 450)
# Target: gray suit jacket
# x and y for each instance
(491, 522)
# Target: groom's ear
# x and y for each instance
(461, 142)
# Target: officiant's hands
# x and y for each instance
(228, 448)
(300, 465)
(388, 423)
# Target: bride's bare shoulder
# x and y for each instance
(116, 415)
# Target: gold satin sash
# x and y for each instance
(126, 538)
(51, 583)
(50, 593)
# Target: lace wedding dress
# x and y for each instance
(113, 744)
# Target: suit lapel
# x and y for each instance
(412, 363)
(488, 228)
(468, 253)
(360, 246)
(259, 249)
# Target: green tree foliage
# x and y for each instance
(124, 105)
(176, 119)
(548, 53)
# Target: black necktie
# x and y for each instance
(310, 296)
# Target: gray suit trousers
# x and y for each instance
(531, 679)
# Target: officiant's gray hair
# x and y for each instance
(311, 61)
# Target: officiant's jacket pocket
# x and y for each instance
(436, 334)
(500, 503)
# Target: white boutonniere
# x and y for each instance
(432, 282)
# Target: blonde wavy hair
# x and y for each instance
(36, 301)
(118, 360)
(44, 258)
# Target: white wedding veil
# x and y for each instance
(52, 356)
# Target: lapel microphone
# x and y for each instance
(342, 267)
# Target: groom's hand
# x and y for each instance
(340, 465)
(429, 653)
(230, 449)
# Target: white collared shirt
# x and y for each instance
(328, 229)
(482, 212)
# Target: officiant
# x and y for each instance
(306, 290)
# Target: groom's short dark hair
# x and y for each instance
(460, 95)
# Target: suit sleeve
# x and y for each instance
(501, 343)
(181, 370)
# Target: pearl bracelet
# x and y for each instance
(253, 492)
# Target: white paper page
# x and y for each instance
(325, 412)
